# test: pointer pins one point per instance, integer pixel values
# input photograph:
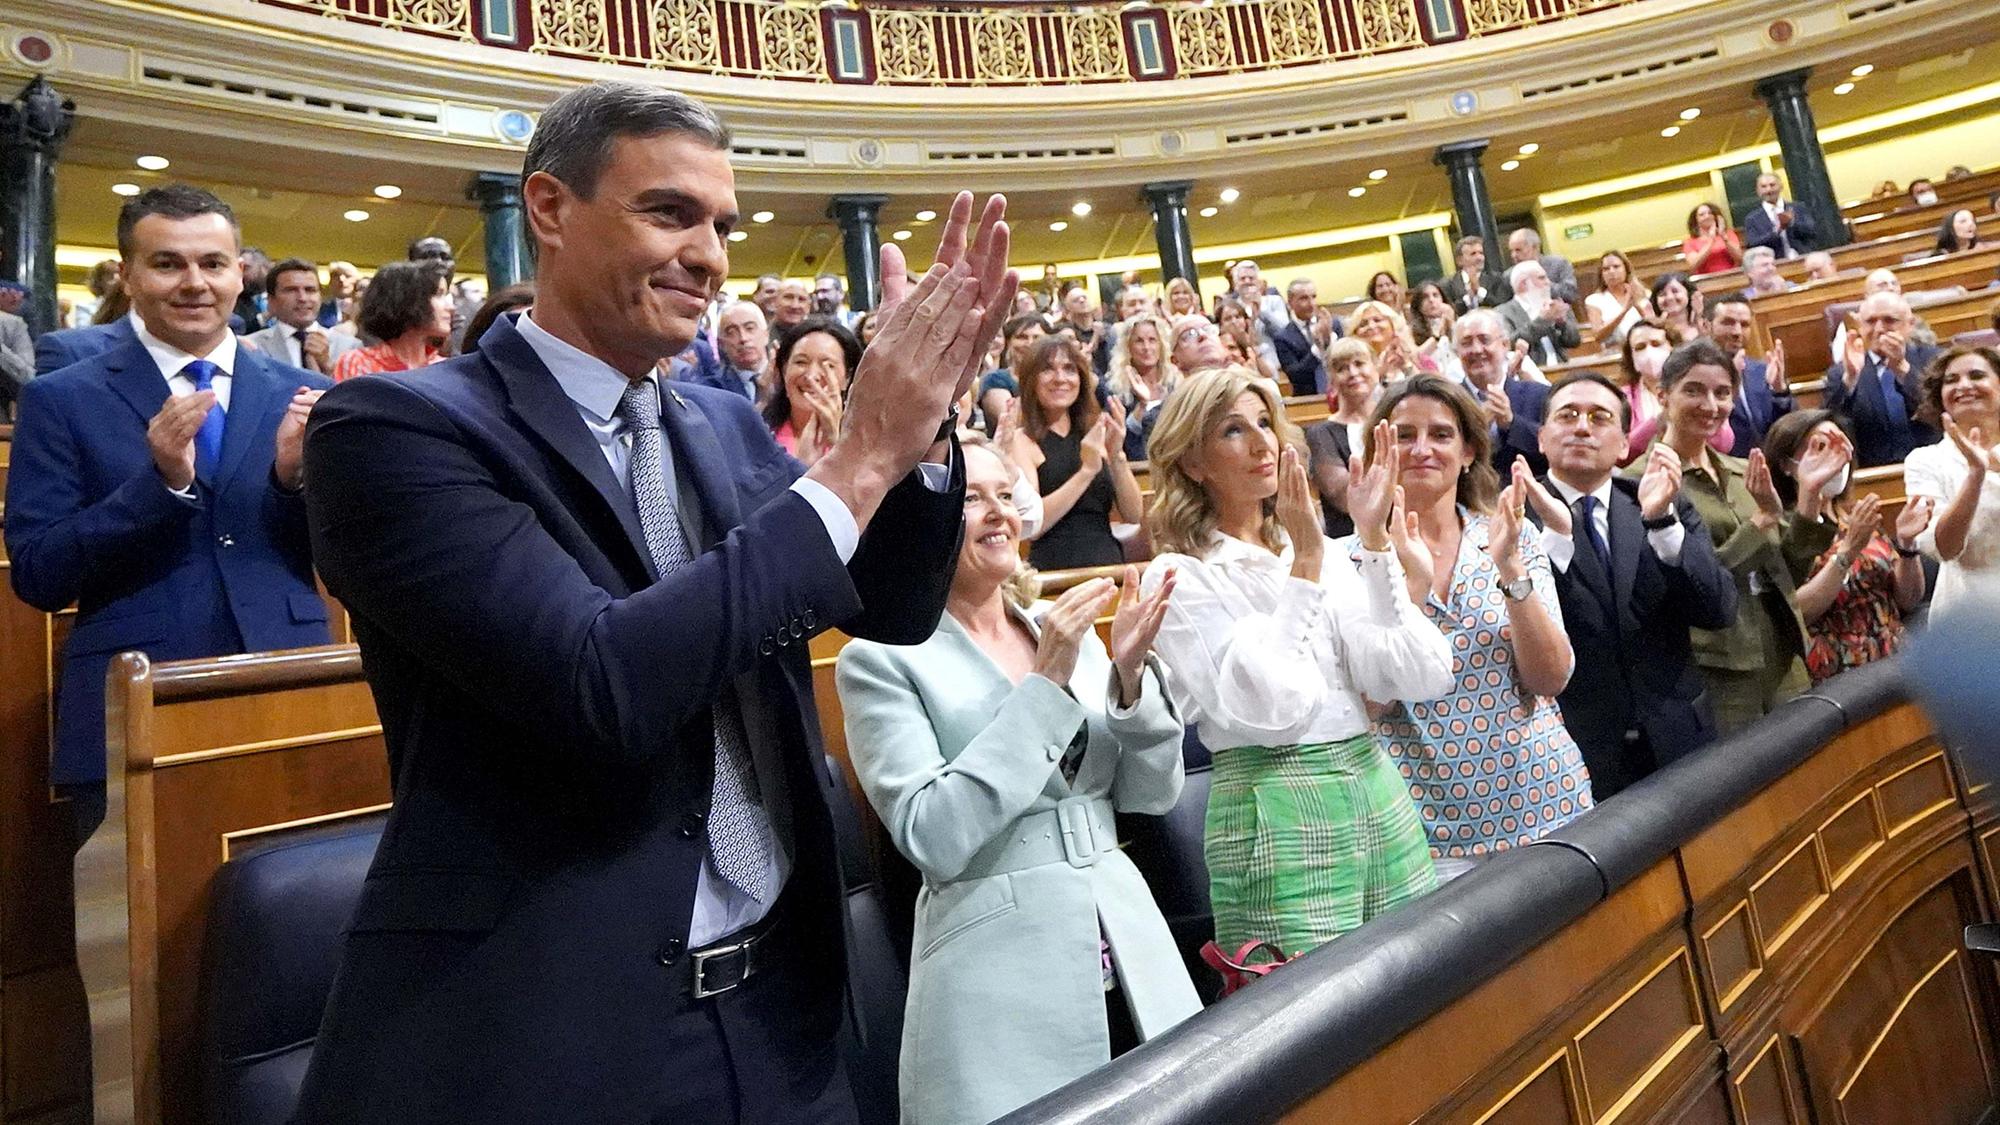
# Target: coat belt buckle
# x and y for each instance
(733, 966)
(1079, 835)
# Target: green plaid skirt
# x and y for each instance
(1305, 843)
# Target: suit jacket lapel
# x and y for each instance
(698, 456)
(1628, 540)
(538, 400)
(252, 390)
(131, 372)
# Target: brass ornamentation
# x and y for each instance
(905, 46)
(1294, 30)
(1493, 15)
(1096, 45)
(570, 26)
(1202, 39)
(1387, 24)
(684, 32)
(1000, 48)
(789, 40)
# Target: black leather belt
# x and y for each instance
(720, 968)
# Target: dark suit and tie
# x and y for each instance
(1761, 228)
(223, 569)
(1298, 359)
(1883, 407)
(1522, 436)
(1491, 291)
(1629, 596)
(1757, 406)
(597, 698)
(57, 350)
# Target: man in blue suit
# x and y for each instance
(1763, 395)
(156, 485)
(1776, 222)
(57, 350)
(608, 889)
(1635, 569)
(1514, 405)
(1301, 341)
(1878, 383)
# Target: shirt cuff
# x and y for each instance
(833, 515)
(187, 493)
(1561, 550)
(936, 477)
(1667, 541)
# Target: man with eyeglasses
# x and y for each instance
(1197, 344)
(1495, 376)
(1635, 569)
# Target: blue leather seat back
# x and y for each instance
(275, 921)
(1168, 852)
(877, 981)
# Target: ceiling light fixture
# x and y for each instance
(1209, 212)
(901, 236)
(1844, 88)
(125, 189)
(1530, 149)
(926, 216)
(1862, 71)
(1356, 192)
(762, 217)
(1671, 131)
(1509, 165)
(1379, 174)
(1080, 208)
(738, 235)
(1230, 195)
(153, 163)
(387, 191)
(1059, 226)
(355, 216)
(1690, 113)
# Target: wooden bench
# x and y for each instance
(1857, 258)
(1798, 317)
(1971, 191)
(211, 754)
(1905, 219)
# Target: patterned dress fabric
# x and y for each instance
(1863, 624)
(1489, 766)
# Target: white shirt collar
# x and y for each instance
(170, 360)
(1570, 495)
(1225, 549)
(592, 384)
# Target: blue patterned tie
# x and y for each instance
(1586, 515)
(739, 830)
(1897, 406)
(208, 439)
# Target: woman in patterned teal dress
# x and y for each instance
(1490, 765)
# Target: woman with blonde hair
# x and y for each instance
(1182, 297)
(1077, 452)
(1277, 640)
(1352, 386)
(998, 753)
(1142, 374)
(1387, 334)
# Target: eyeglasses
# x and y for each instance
(1196, 332)
(1598, 417)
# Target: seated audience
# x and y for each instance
(1477, 568)
(744, 359)
(408, 308)
(1387, 335)
(1076, 450)
(1881, 280)
(1077, 316)
(1619, 303)
(1961, 477)
(816, 357)
(1432, 318)
(1239, 346)
(981, 748)
(1141, 378)
(1182, 298)
(1353, 385)
(1820, 266)
(1525, 245)
(1759, 661)
(1277, 640)
(790, 304)
(1858, 590)
(1677, 304)
(1760, 268)
(1766, 394)
(1642, 357)
(504, 300)
(1018, 337)
(1472, 285)
(1923, 193)
(131, 465)
(870, 322)
(1711, 246)
(295, 337)
(1302, 337)
(1875, 382)
(1776, 224)
(1959, 232)
(1385, 288)
(1537, 317)
(1197, 345)
(1885, 189)
(1634, 571)
(1513, 404)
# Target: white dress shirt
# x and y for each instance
(1784, 236)
(171, 360)
(295, 352)
(1256, 657)
(1666, 542)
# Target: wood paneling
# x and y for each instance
(1799, 317)
(1762, 1088)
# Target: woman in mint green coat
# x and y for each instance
(996, 753)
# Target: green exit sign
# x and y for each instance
(1579, 232)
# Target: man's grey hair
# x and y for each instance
(1521, 269)
(741, 305)
(1468, 242)
(1299, 283)
(1530, 236)
(1478, 316)
(573, 140)
(1759, 254)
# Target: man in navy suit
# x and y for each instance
(1776, 222)
(1762, 394)
(1635, 569)
(608, 889)
(1877, 383)
(1514, 406)
(1302, 339)
(156, 485)
(57, 350)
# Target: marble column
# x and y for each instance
(32, 129)
(499, 197)
(1806, 179)
(1469, 199)
(862, 243)
(1170, 229)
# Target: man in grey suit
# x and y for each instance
(295, 335)
(17, 357)
(1525, 245)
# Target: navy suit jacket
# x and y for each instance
(1760, 230)
(90, 522)
(57, 350)
(1756, 408)
(1523, 436)
(1878, 439)
(546, 701)
(1634, 664)
(1302, 368)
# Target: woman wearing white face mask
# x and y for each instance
(1643, 353)
(1860, 587)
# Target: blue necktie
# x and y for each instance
(1587, 512)
(208, 439)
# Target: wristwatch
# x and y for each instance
(1519, 589)
(1662, 522)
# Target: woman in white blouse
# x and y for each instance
(1961, 474)
(1273, 639)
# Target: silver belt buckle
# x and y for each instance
(702, 991)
